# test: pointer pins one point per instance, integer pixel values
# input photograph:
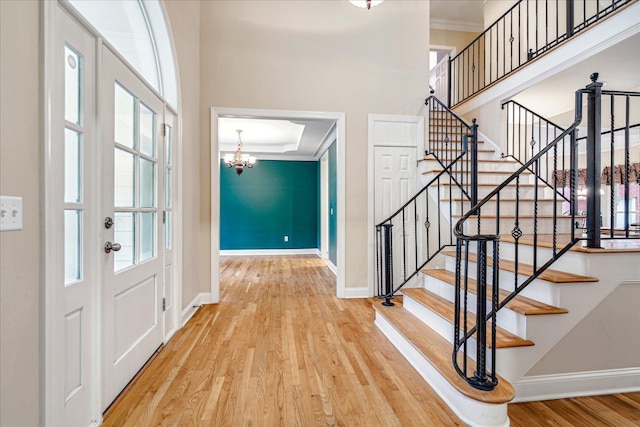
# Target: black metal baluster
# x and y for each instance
(612, 218)
(627, 193)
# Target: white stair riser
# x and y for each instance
(509, 192)
(545, 207)
(506, 166)
(439, 324)
(482, 155)
(486, 178)
(564, 225)
(572, 261)
(539, 290)
(508, 319)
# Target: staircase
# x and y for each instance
(541, 304)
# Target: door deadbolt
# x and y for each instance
(108, 222)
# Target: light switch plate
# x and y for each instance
(10, 213)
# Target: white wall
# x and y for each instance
(315, 56)
(609, 336)
(184, 19)
(20, 152)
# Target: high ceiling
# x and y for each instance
(460, 15)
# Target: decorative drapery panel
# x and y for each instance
(563, 177)
(620, 174)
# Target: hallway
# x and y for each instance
(281, 349)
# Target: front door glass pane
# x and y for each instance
(124, 174)
(147, 131)
(124, 126)
(147, 184)
(72, 84)
(124, 234)
(168, 187)
(72, 166)
(168, 226)
(72, 246)
(147, 235)
(168, 146)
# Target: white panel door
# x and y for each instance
(133, 197)
(395, 183)
(442, 80)
(77, 276)
(395, 179)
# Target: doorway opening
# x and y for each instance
(439, 71)
(278, 216)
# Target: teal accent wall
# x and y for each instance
(261, 206)
(333, 202)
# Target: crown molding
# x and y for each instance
(445, 24)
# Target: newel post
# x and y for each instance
(594, 170)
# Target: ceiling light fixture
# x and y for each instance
(239, 160)
(365, 3)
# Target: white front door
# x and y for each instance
(133, 269)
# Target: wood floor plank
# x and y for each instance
(281, 350)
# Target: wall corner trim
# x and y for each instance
(192, 307)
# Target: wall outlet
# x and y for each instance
(10, 213)
(286, 238)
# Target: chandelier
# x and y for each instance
(365, 3)
(239, 160)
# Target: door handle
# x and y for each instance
(108, 247)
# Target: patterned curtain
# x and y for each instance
(563, 177)
(619, 174)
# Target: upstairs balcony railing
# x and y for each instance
(523, 33)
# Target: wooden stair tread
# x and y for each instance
(549, 275)
(608, 245)
(480, 172)
(486, 161)
(445, 309)
(484, 184)
(522, 199)
(519, 303)
(539, 216)
(480, 150)
(437, 351)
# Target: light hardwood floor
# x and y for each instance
(281, 350)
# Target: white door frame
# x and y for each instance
(416, 140)
(50, 355)
(324, 206)
(216, 113)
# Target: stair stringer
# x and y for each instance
(580, 299)
(470, 411)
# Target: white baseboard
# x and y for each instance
(332, 267)
(190, 309)
(270, 252)
(361, 292)
(562, 386)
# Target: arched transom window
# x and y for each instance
(138, 31)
